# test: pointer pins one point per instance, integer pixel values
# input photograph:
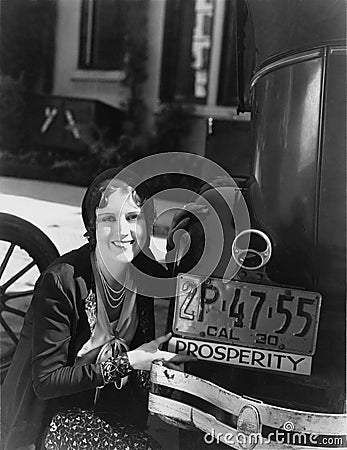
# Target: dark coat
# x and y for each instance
(42, 378)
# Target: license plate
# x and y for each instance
(247, 314)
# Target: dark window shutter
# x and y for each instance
(177, 75)
(227, 89)
(102, 39)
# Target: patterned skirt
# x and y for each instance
(79, 429)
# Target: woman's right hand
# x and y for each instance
(142, 357)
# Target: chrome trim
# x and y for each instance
(239, 254)
(270, 415)
(246, 429)
(337, 50)
(323, 95)
(188, 417)
(285, 62)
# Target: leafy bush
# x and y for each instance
(172, 125)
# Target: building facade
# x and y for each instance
(190, 56)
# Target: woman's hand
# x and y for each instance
(142, 357)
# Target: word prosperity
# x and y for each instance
(242, 356)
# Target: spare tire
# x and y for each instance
(25, 251)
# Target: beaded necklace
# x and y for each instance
(114, 298)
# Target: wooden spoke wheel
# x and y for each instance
(25, 251)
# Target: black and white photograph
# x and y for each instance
(173, 224)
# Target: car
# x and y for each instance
(271, 338)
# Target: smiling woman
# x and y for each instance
(82, 354)
(121, 227)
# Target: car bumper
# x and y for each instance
(187, 401)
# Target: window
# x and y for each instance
(102, 34)
(199, 53)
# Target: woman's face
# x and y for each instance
(121, 229)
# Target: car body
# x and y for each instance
(295, 68)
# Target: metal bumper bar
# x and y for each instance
(239, 422)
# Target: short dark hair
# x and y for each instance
(99, 191)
